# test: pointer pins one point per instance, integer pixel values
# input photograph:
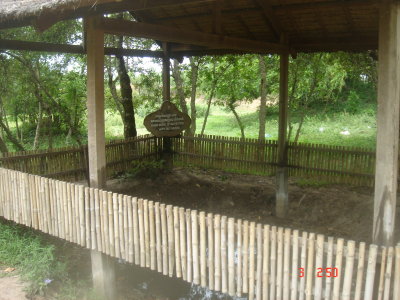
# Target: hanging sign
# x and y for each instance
(167, 121)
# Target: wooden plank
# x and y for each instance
(182, 238)
(178, 269)
(210, 236)
(360, 271)
(310, 272)
(171, 242)
(217, 252)
(252, 250)
(319, 264)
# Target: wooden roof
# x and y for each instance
(308, 25)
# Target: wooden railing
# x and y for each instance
(234, 256)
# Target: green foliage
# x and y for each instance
(35, 261)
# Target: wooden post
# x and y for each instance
(102, 266)
(167, 142)
(282, 201)
(388, 124)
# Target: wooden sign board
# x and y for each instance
(167, 121)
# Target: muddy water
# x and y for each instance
(152, 285)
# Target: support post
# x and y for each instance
(388, 124)
(102, 265)
(282, 200)
(166, 78)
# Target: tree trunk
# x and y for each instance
(3, 146)
(50, 133)
(176, 74)
(263, 99)
(299, 128)
(232, 108)
(126, 97)
(193, 112)
(38, 125)
(113, 90)
(208, 106)
(10, 136)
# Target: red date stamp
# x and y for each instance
(322, 272)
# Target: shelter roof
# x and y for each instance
(308, 25)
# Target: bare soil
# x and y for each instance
(333, 210)
(11, 287)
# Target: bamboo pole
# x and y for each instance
(217, 252)
(75, 191)
(152, 236)
(273, 263)
(164, 238)
(146, 232)
(211, 254)
(245, 268)
(65, 206)
(116, 226)
(92, 219)
(97, 220)
(106, 222)
(177, 241)
(338, 265)
(189, 245)
(141, 234)
(396, 283)
(279, 269)
(111, 223)
(171, 242)
(265, 279)
(121, 226)
(360, 271)
(286, 264)
(182, 240)
(369, 281)
(252, 237)
(310, 266)
(130, 231)
(295, 262)
(81, 205)
(348, 275)
(239, 258)
(329, 261)
(319, 264)
(224, 269)
(382, 273)
(87, 218)
(259, 262)
(126, 227)
(135, 219)
(231, 257)
(203, 249)
(388, 274)
(195, 247)
(158, 237)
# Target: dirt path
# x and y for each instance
(11, 287)
(340, 211)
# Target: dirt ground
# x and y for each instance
(11, 286)
(333, 210)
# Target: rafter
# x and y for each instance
(269, 14)
(168, 34)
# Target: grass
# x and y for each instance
(318, 128)
(41, 264)
(34, 261)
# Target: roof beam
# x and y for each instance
(271, 18)
(173, 35)
(72, 49)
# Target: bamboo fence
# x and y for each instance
(233, 256)
(332, 164)
(71, 163)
